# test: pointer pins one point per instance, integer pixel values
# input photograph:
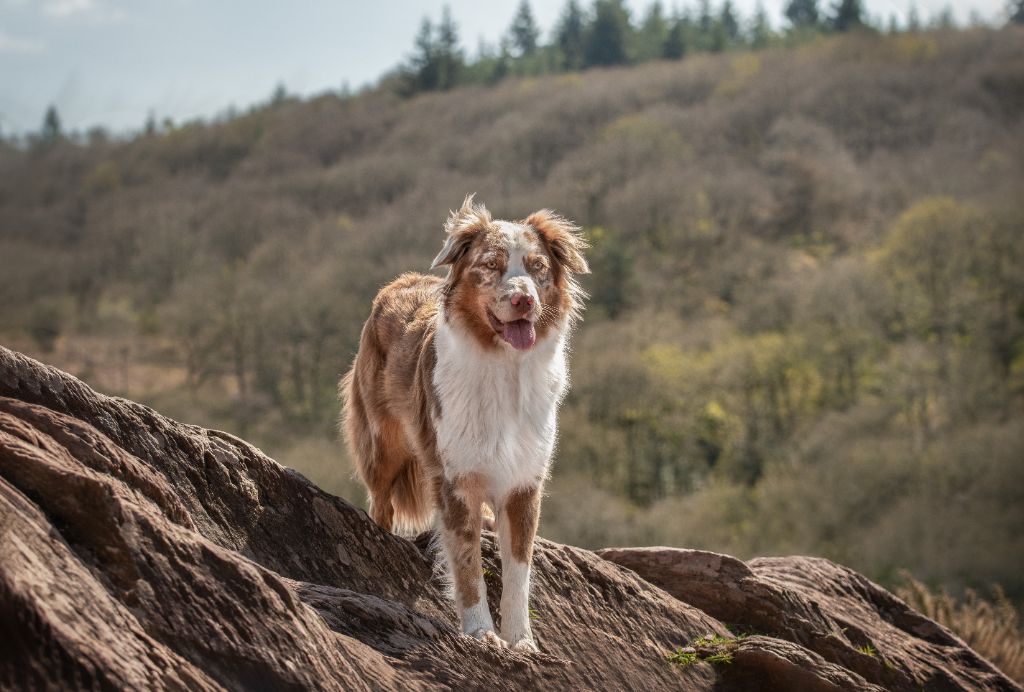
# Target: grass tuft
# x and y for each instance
(991, 627)
(868, 650)
(710, 648)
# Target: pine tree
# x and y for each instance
(652, 34)
(523, 32)
(569, 37)
(802, 13)
(449, 55)
(675, 47)
(705, 26)
(760, 28)
(607, 35)
(423, 67)
(913, 18)
(51, 125)
(945, 19)
(1016, 11)
(847, 14)
(730, 25)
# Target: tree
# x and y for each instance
(652, 35)
(524, 32)
(945, 20)
(760, 28)
(847, 14)
(675, 43)
(449, 55)
(705, 26)
(1016, 11)
(437, 59)
(51, 125)
(149, 129)
(913, 18)
(569, 37)
(802, 13)
(279, 95)
(607, 36)
(423, 67)
(730, 25)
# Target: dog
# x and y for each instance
(453, 397)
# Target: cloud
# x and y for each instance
(94, 10)
(23, 46)
(65, 8)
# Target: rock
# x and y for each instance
(826, 609)
(140, 553)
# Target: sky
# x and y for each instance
(113, 62)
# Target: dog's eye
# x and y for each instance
(492, 264)
(537, 265)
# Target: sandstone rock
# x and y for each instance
(140, 553)
(825, 608)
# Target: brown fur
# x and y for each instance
(390, 401)
(523, 509)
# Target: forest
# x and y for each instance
(805, 331)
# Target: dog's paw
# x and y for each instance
(488, 637)
(525, 645)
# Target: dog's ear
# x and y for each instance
(461, 227)
(563, 238)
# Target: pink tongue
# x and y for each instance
(520, 334)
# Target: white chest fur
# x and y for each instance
(498, 409)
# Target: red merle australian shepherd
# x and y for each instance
(452, 400)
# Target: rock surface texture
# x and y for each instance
(140, 553)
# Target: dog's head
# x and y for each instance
(511, 283)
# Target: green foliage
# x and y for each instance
(802, 13)
(569, 37)
(51, 131)
(847, 15)
(1016, 11)
(524, 32)
(601, 37)
(711, 649)
(675, 47)
(607, 36)
(437, 61)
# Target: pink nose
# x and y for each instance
(522, 302)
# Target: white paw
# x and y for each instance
(525, 645)
(488, 637)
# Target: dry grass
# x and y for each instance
(990, 627)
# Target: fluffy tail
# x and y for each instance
(414, 511)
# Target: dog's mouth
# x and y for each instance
(520, 334)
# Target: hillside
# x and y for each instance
(806, 329)
(137, 552)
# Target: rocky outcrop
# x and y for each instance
(825, 608)
(140, 553)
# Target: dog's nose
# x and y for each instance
(522, 302)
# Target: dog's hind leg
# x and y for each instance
(377, 447)
(389, 457)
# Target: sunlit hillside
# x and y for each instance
(806, 329)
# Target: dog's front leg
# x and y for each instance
(461, 519)
(517, 525)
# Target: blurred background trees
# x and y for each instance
(604, 35)
(806, 324)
